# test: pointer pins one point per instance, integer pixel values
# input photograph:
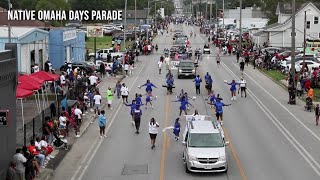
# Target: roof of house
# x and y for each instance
(298, 9)
(140, 14)
(271, 26)
(286, 7)
(17, 32)
(259, 33)
(2, 9)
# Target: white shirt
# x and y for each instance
(78, 113)
(242, 83)
(36, 68)
(62, 79)
(19, 159)
(43, 143)
(159, 64)
(63, 121)
(167, 60)
(37, 145)
(126, 67)
(97, 99)
(93, 79)
(124, 91)
(153, 128)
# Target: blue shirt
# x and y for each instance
(133, 106)
(209, 81)
(138, 100)
(169, 82)
(233, 86)
(102, 121)
(197, 81)
(219, 106)
(213, 98)
(206, 77)
(176, 128)
(149, 86)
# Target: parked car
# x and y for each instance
(129, 35)
(206, 49)
(108, 29)
(102, 53)
(309, 63)
(271, 50)
(88, 68)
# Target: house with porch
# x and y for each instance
(279, 34)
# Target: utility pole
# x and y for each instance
(9, 25)
(124, 32)
(135, 21)
(155, 14)
(240, 27)
(304, 41)
(148, 8)
(210, 11)
(223, 20)
(293, 42)
(206, 10)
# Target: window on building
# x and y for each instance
(316, 20)
(308, 24)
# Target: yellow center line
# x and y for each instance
(234, 154)
(164, 141)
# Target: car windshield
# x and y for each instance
(186, 64)
(205, 140)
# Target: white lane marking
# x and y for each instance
(95, 148)
(317, 137)
(302, 151)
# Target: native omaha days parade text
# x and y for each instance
(61, 15)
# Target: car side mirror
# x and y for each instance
(184, 143)
(227, 143)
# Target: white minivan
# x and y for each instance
(204, 147)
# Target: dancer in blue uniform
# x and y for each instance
(149, 86)
(183, 105)
(176, 129)
(133, 106)
(233, 89)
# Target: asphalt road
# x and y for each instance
(269, 139)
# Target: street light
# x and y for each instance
(9, 25)
(293, 48)
(304, 39)
(124, 33)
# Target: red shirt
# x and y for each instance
(307, 84)
(33, 150)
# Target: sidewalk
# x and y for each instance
(284, 84)
(88, 118)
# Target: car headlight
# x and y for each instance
(222, 158)
(180, 70)
(193, 70)
(192, 158)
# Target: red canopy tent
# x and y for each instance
(45, 76)
(29, 83)
(22, 93)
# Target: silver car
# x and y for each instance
(205, 148)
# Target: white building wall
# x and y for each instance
(313, 32)
(283, 17)
(24, 57)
